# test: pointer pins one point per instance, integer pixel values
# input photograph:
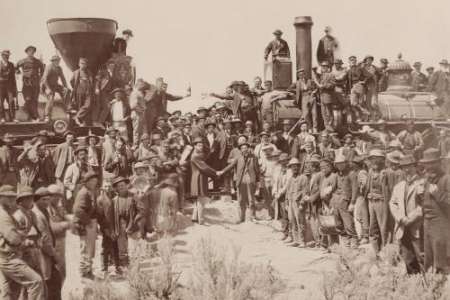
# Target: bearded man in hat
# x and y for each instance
(85, 221)
(53, 73)
(200, 171)
(105, 83)
(406, 208)
(327, 47)
(120, 113)
(49, 257)
(411, 139)
(32, 70)
(436, 212)
(63, 155)
(8, 87)
(16, 272)
(83, 85)
(9, 168)
(419, 81)
(439, 85)
(248, 178)
(278, 47)
(138, 106)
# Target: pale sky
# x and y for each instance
(210, 43)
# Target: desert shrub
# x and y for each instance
(98, 290)
(360, 275)
(218, 273)
(152, 274)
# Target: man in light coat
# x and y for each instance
(407, 212)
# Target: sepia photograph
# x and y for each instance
(224, 150)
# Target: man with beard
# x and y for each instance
(406, 208)
(32, 70)
(119, 162)
(436, 212)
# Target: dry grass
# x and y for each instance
(363, 276)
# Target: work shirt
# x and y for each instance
(296, 187)
(32, 68)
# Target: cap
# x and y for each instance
(197, 140)
(8, 191)
(352, 57)
(89, 175)
(384, 61)
(118, 180)
(293, 161)
(24, 192)
(264, 133)
(117, 90)
(278, 32)
(55, 58)
(6, 52)
(55, 189)
(128, 32)
(41, 192)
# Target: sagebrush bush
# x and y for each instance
(360, 275)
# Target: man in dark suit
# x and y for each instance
(8, 87)
(104, 86)
(278, 47)
(9, 170)
(326, 48)
(64, 156)
(439, 84)
(83, 88)
(247, 180)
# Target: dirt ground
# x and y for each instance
(260, 242)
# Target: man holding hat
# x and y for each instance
(14, 269)
(436, 212)
(32, 71)
(278, 47)
(83, 85)
(419, 81)
(406, 208)
(85, 221)
(8, 87)
(50, 85)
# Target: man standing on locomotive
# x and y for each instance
(32, 70)
(83, 92)
(8, 87)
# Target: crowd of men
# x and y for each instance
(371, 186)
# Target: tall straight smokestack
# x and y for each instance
(303, 43)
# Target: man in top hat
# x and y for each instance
(436, 212)
(83, 85)
(8, 87)
(278, 47)
(53, 73)
(419, 81)
(406, 208)
(439, 85)
(120, 113)
(383, 75)
(85, 221)
(376, 194)
(9, 169)
(105, 83)
(326, 82)
(32, 70)
(49, 258)
(327, 47)
(200, 171)
(16, 272)
(63, 155)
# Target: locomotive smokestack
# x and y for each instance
(303, 43)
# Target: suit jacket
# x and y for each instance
(62, 158)
(8, 76)
(51, 76)
(439, 83)
(84, 209)
(326, 48)
(200, 172)
(47, 242)
(278, 48)
(404, 202)
(105, 83)
(243, 164)
(9, 169)
(11, 238)
(75, 80)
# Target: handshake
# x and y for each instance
(220, 173)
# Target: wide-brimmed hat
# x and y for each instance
(55, 189)
(430, 155)
(117, 90)
(278, 32)
(139, 165)
(368, 57)
(118, 180)
(210, 122)
(41, 192)
(111, 129)
(315, 158)
(376, 153)
(8, 138)
(24, 192)
(293, 161)
(358, 159)
(236, 120)
(201, 108)
(443, 62)
(8, 191)
(198, 140)
(283, 157)
(407, 160)
(80, 148)
(393, 157)
(340, 159)
(264, 133)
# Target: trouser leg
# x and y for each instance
(87, 247)
(375, 234)
(49, 105)
(16, 270)
(349, 226)
(299, 217)
(86, 102)
(197, 214)
(410, 252)
(435, 244)
(243, 201)
(122, 244)
(54, 285)
(268, 203)
(138, 128)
